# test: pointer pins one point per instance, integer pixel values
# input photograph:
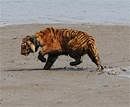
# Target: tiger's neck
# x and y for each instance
(35, 42)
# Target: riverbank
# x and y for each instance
(24, 83)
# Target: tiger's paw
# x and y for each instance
(75, 63)
(41, 58)
(100, 69)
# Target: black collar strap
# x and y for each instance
(35, 42)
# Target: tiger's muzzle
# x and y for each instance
(25, 49)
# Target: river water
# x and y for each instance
(65, 11)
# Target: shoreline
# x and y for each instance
(73, 23)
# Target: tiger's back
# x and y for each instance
(72, 39)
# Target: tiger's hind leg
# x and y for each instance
(77, 58)
(94, 56)
(50, 60)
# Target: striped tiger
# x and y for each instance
(56, 42)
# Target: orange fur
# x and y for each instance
(74, 43)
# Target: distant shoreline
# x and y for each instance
(55, 23)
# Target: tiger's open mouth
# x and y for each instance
(25, 53)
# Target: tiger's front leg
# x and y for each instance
(43, 51)
(41, 57)
(50, 61)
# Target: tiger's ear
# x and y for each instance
(31, 45)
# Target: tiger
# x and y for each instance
(55, 42)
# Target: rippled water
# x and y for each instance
(64, 11)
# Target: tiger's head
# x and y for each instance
(29, 45)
